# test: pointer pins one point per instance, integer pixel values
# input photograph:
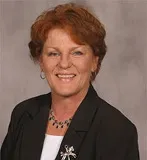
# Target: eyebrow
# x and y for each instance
(71, 49)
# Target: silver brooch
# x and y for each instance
(68, 153)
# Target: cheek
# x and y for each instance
(84, 66)
(48, 65)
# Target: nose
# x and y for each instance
(65, 61)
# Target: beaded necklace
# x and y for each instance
(56, 123)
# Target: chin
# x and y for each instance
(65, 93)
(69, 91)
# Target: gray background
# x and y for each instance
(122, 80)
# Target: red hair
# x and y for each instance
(83, 27)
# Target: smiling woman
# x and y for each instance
(71, 122)
(66, 64)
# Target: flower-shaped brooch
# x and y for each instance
(68, 153)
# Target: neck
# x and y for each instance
(65, 107)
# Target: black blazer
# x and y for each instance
(98, 131)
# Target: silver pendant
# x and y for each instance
(68, 153)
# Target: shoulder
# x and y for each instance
(30, 106)
(114, 120)
(116, 134)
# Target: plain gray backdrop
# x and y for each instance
(122, 80)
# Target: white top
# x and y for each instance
(51, 147)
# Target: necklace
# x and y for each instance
(56, 123)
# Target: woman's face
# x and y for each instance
(67, 65)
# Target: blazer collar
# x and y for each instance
(80, 123)
(35, 127)
(85, 113)
(42, 102)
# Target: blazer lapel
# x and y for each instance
(36, 122)
(80, 124)
(34, 129)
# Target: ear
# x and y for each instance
(94, 63)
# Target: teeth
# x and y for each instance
(65, 75)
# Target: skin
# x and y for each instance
(67, 67)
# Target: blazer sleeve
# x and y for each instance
(133, 151)
(118, 145)
(9, 141)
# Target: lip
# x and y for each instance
(65, 77)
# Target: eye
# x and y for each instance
(77, 53)
(53, 54)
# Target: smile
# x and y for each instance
(65, 75)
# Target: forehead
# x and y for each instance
(61, 39)
(57, 34)
(60, 35)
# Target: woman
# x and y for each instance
(71, 122)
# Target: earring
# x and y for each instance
(42, 75)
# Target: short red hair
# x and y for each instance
(83, 27)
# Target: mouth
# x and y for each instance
(66, 77)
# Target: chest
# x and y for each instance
(82, 145)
